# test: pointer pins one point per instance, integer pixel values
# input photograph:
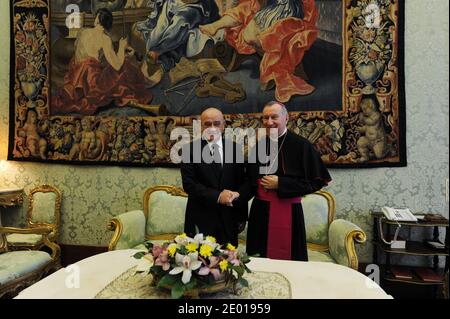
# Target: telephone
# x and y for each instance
(398, 214)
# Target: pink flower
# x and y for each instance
(232, 257)
(163, 260)
(209, 269)
(156, 250)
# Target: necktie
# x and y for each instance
(215, 152)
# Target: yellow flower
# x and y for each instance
(191, 247)
(205, 250)
(231, 247)
(183, 235)
(223, 265)
(172, 249)
(211, 239)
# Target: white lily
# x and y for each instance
(145, 263)
(198, 238)
(182, 240)
(186, 263)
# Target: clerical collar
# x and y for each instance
(279, 136)
(284, 132)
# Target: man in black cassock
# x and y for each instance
(217, 185)
(276, 227)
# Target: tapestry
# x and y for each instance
(107, 81)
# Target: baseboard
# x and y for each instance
(72, 253)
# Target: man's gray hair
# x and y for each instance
(283, 107)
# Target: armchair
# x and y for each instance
(21, 268)
(44, 210)
(162, 219)
(329, 240)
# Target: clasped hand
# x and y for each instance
(227, 197)
(270, 182)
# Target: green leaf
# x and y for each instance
(167, 281)
(239, 270)
(211, 279)
(191, 284)
(148, 245)
(139, 255)
(244, 259)
(157, 270)
(247, 269)
(243, 282)
(177, 290)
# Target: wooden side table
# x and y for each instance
(9, 198)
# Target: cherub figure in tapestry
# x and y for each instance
(31, 143)
(373, 140)
(93, 141)
(157, 138)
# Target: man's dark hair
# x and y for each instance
(105, 18)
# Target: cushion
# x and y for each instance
(44, 207)
(320, 256)
(17, 239)
(315, 210)
(166, 214)
(133, 231)
(15, 264)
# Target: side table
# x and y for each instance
(9, 198)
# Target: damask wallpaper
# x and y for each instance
(93, 194)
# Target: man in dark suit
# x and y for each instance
(217, 185)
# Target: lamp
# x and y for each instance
(4, 165)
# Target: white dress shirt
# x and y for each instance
(219, 147)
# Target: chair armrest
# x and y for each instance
(15, 230)
(42, 230)
(342, 237)
(129, 230)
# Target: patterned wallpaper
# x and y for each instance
(93, 194)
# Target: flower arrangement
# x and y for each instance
(191, 265)
(30, 41)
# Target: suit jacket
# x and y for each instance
(204, 182)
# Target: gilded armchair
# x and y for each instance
(44, 209)
(329, 239)
(21, 268)
(162, 217)
(155, 222)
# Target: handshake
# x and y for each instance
(227, 197)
